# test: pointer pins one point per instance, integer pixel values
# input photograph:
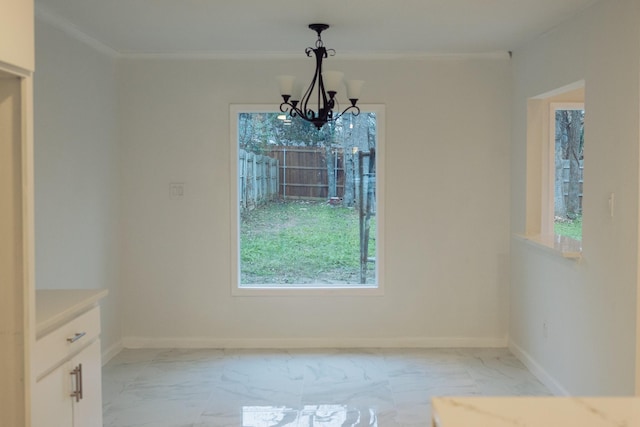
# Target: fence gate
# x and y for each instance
(366, 206)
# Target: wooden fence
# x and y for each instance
(565, 181)
(298, 173)
(258, 179)
(309, 172)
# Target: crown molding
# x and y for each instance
(55, 20)
(299, 55)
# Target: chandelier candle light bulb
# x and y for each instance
(298, 90)
(332, 81)
(286, 85)
(322, 91)
(354, 87)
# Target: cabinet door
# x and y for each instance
(88, 411)
(52, 401)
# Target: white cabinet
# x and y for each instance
(67, 365)
(51, 400)
(87, 406)
(71, 395)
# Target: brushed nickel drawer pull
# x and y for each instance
(76, 337)
(76, 392)
(81, 385)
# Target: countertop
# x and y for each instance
(536, 411)
(55, 306)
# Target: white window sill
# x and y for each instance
(307, 290)
(559, 245)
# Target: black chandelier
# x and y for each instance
(322, 91)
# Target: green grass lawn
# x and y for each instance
(569, 228)
(301, 242)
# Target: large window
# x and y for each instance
(308, 207)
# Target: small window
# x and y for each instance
(307, 208)
(555, 160)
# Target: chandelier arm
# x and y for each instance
(291, 108)
(293, 111)
(320, 120)
(286, 107)
(355, 112)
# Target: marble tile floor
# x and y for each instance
(301, 388)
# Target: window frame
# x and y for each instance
(540, 170)
(303, 290)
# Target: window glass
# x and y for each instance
(568, 176)
(307, 201)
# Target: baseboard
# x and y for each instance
(265, 343)
(536, 369)
(110, 352)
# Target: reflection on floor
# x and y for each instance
(328, 388)
(309, 415)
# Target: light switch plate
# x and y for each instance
(176, 190)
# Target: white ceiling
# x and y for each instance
(358, 27)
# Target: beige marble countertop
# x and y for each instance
(55, 306)
(536, 411)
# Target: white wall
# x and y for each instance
(452, 180)
(76, 171)
(447, 196)
(590, 306)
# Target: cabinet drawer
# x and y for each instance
(63, 342)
